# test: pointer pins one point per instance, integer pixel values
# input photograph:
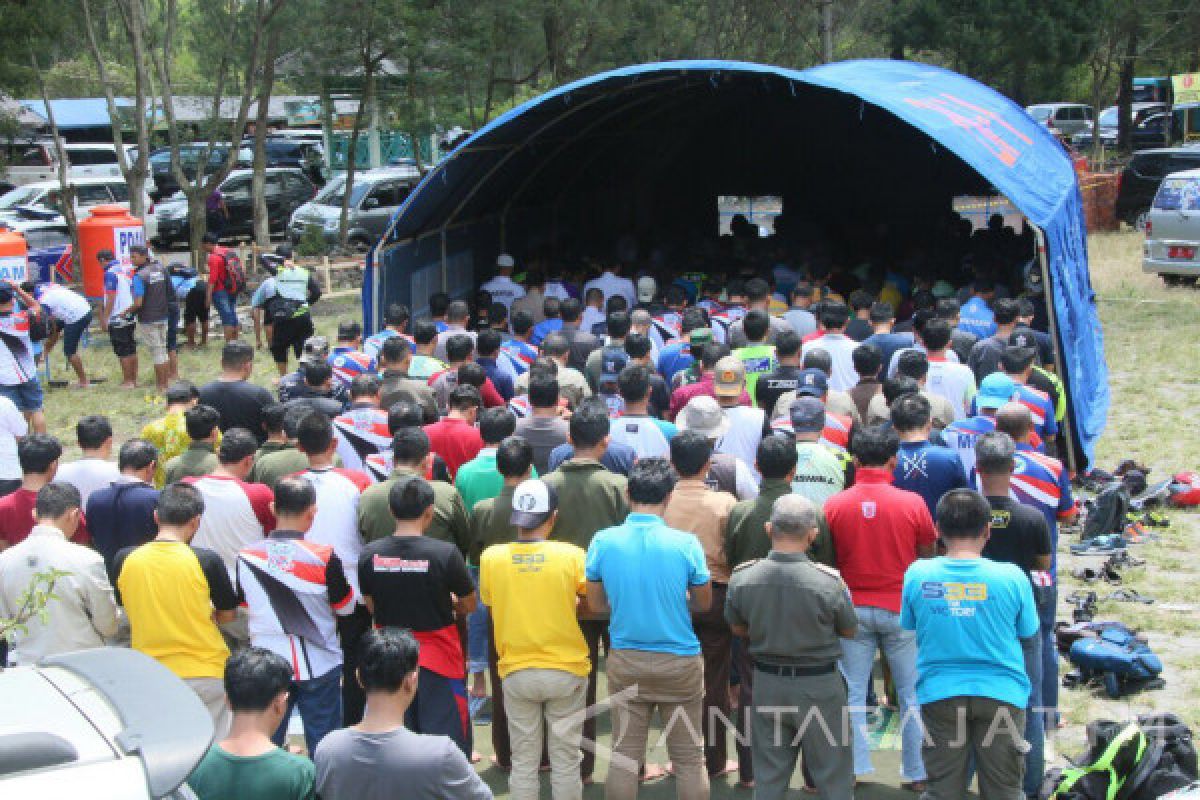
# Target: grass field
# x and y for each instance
(1151, 334)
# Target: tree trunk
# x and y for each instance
(197, 221)
(1125, 86)
(352, 151)
(327, 125)
(896, 34)
(67, 192)
(258, 181)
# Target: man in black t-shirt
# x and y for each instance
(1019, 535)
(784, 378)
(239, 402)
(411, 581)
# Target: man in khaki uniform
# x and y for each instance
(695, 508)
(793, 612)
(410, 449)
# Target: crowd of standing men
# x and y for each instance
(741, 493)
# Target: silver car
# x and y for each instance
(105, 724)
(1068, 118)
(374, 199)
(1172, 247)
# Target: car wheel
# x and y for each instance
(1139, 220)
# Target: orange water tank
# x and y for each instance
(108, 228)
(14, 253)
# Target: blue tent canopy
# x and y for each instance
(649, 147)
(72, 113)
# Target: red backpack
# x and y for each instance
(235, 273)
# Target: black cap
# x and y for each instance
(349, 330)
(1024, 339)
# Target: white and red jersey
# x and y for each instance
(348, 364)
(379, 466)
(292, 588)
(17, 364)
(236, 514)
(373, 345)
(361, 432)
(336, 524)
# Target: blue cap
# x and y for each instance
(995, 390)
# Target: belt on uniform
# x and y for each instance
(794, 672)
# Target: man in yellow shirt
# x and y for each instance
(175, 595)
(169, 432)
(543, 656)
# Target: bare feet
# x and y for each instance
(730, 766)
(476, 757)
(496, 764)
(653, 772)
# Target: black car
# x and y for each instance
(1140, 179)
(286, 190)
(190, 156)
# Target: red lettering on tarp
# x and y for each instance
(977, 122)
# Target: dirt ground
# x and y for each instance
(1150, 333)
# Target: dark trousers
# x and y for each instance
(594, 630)
(440, 708)
(351, 630)
(962, 730)
(716, 645)
(744, 665)
(320, 709)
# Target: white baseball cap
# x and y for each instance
(533, 502)
(505, 261)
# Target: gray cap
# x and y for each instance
(808, 415)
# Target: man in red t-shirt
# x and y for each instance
(219, 296)
(878, 530)
(38, 454)
(455, 437)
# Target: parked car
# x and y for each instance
(1105, 125)
(165, 183)
(1172, 246)
(285, 189)
(34, 201)
(36, 160)
(92, 724)
(374, 199)
(1139, 181)
(1067, 118)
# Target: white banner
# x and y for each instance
(125, 238)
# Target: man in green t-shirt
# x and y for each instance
(757, 356)
(247, 764)
(478, 479)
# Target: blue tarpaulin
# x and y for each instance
(71, 113)
(650, 146)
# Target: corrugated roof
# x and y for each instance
(76, 112)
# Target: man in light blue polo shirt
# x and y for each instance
(970, 614)
(650, 578)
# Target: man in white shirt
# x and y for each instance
(798, 316)
(458, 315)
(746, 423)
(947, 378)
(12, 427)
(18, 369)
(95, 468)
(649, 437)
(503, 288)
(73, 314)
(82, 610)
(610, 282)
(840, 347)
(593, 309)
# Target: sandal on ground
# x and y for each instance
(1129, 596)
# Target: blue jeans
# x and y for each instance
(226, 307)
(320, 702)
(1048, 696)
(1035, 727)
(879, 630)
(477, 633)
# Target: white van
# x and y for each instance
(1172, 247)
(43, 196)
(30, 162)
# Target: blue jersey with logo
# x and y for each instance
(976, 317)
(970, 615)
(675, 357)
(519, 355)
(929, 470)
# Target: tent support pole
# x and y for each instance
(1052, 316)
(444, 270)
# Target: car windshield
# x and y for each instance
(21, 196)
(333, 193)
(1178, 194)
(1108, 118)
(1041, 113)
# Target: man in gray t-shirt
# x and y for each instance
(380, 759)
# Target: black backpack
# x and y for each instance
(1127, 761)
(1107, 511)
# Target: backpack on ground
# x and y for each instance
(1119, 658)
(235, 273)
(1106, 512)
(1128, 761)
